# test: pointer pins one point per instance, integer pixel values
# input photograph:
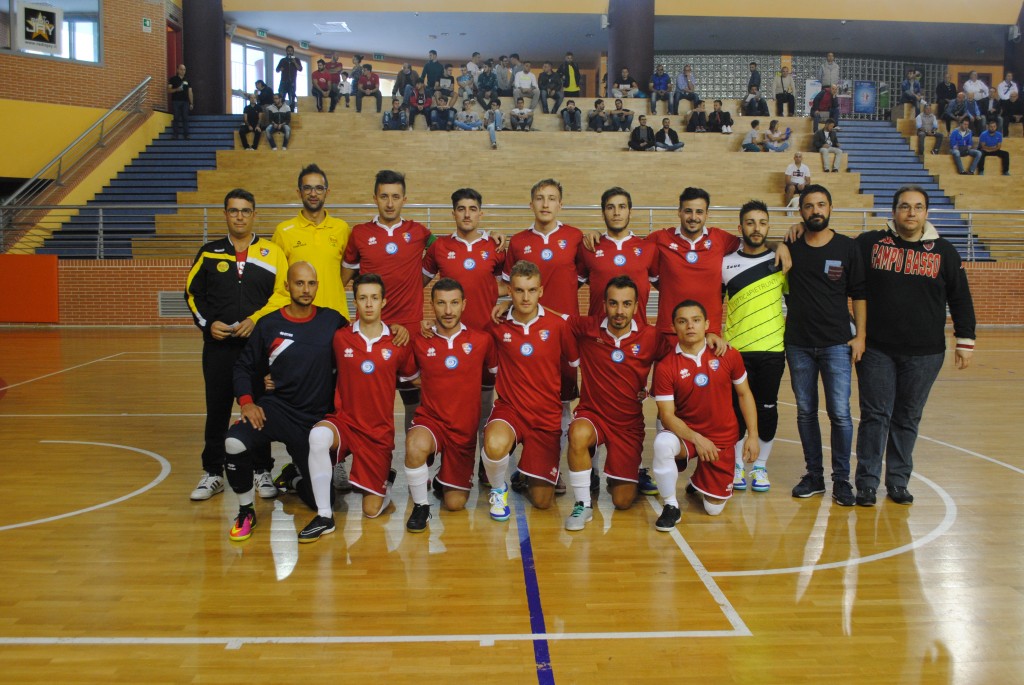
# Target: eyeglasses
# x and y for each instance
(320, 190)
(904, 207)
(245, 212)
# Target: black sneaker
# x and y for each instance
(865, 497)
(899, 494)
(437, 488)
(690, 490)
(842, 493)
(286, 478)
(518, 482)
(809, 485)
(320, 525)
(417, 522)
(670, 516)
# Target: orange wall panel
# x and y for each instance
(30, 282)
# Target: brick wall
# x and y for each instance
(129, 55)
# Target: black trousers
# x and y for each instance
(764, 374)
(218, 376)
(783, 98)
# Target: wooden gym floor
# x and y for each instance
(111, 574)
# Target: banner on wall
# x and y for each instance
(38, 28)
(844, 94)
(813, 88)
(883, 97)
(865, 97)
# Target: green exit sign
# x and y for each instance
(261, 33)
(378, 56)
(304, 44)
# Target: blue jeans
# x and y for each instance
(975, 156)
(492, 129)
(835, 367)
(572, 120)
(893, 391)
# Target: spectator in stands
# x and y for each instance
(698, 120)
(1013, 113)
(1005, 90)
(503, 74)
(753, 141)
(784, 90)
(466, 83)
(826, 143)
(828, 73)
(368, 86)
(642, 137)
(754, 79)
(928, 127)
(625, 86)
(289, 66)
(397, 119)
(666, 139)
(622, 118)
(405, 83)
(961, 143)
(660, 85)
(345, 88)
(525, 85)
(474, 66)
(521, 116)
(911, 90)
(990, 144)
(824, 105)
(250, 124)
(719, 121)
(467, 119)
(550, 85)
(280, 117)
(494, 120)
(517, 66)
(798, 177)
(686, 88)
(446, 85)
(572, 117)
(432, 73)
(357, 67)
(956, 110)
(419, 104)
(570, 74)
(442, 116)
(977, 95)
(264, 98)
(598, 119)
(945, 93)
(774, 139)
(324, 84)
(754, 104)
(486, 85)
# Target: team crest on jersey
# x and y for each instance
(619, 260)
(431, 352)
(451, 362)
(561, 244)
(333, 241)
(406, 237)
(264, 252)
(372, 241)
(546, 255)
(618, 356)
(544, 335)
(637, 251)
(366, 367)
(692, 257)
(391, 248)
(707, 244)
(701, 379)
(713, 364)
(599, 254)
(928, 246)
(222, 267)
(673, 246)
(526, 349)
(485, 255)
(469, 264)
(451, 255)
(386, 353)
(349, 353)
(635, 349)
(467, 347)
(888, 241)
(684, 374)
(506, 338)
(528, 249)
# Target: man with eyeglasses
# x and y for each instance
(234, 281)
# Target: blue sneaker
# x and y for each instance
(759, 480)
(739, 481)
(499, 504)
(646, 485)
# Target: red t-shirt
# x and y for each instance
(324, 79)
(530, 359)
(631, 257)
(474, 265)
(396, 255)
(701, 388)
(686, 270)
(372, 81)
(555, 256)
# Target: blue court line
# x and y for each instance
(545, 676)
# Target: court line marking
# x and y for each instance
(55, 373)
(541, 653)
(165, 470)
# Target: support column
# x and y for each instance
(630, 41)
(203, 42)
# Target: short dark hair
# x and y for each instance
(367, 279)
(449, 65)
(386, 177)
(525, 269)
(446, 285)
(513, 54)
(612, 192)
(475, 54)
(692, 193)
(907, 189)
(755, 123)
(546, 182)
(598, 102)
(569, 54)
(718, 102)
(752, 206)
(494, 101)
(259, 81)
(467, 194)
(432, 52)
(367, 67)
(240, 194)
(689, 303)
(830, 121)
(753, 64)
(311, 169)
(344, 73)
(622, 281)
(815, 188)
(320, 61)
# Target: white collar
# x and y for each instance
(695, 357)
(384, 331)
(389, 229)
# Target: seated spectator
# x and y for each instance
(264, 98)
(911, 90)
(467, 119)
(642, 137)
(405, 83)
(961, 143)
(324, 84)
(599, 119)
(945, 93)
(486, 85)
(503, 74)
(344, 87)
(774, 139)
(660, 85)
(956, 110)
(466, 83)
(928, 127)
(572, 118)
(625, 86)
(785, 93)
(754, 104)
(752, 142)
(990, 144)
(686, 89)
(368, 87)
(977, 93)
(824, 105)
(419, 104)
(550, 85)
(1013, 113)
(396, 119)
(754, 81)
(280, 121)
(719, 121)
(798, 177)
(446, 85)
(622, 118)
(250, 124)
(442, 116)
(698, 121)
(525, 86)
(993, 114)
(1005, 90)
(826, 143)
(494, 120)
(666, 139)
(521, 118)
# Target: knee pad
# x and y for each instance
(234, 446)
(713, 509)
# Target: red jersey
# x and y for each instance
(474, 265)
(395, 254)
(368, 371)
(530, 359)
(631, 256)
(685, 270)
(701, 387)
(615, 369)
(448, 367)
(555, 256)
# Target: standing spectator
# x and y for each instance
(181, 101)
(698, 121)
(517, 66)
(824, 105)
(473, 66)
(396, 119)
(419, 104)
(660, 85)
(432, 72)
(774, 139)
(990, 144)
(503, 74)
(754, 104)
(525, 85)
(467, 119)
(1005, 90)
(798, 177)
(550, 85)
(442, 117)
(570, 74)
(405, 83)
(755, 78)
(572, 118)
(827, 145)
(626, 86)
(977, 95)
(752, 142)
(368, 86)
(599, 119)
(928, 127)
(325, 83)
(784, 90)
(686, 88)
(486, 85)
(719, 121)
(622, 118)
(494, 121)
(289, 66)
(961, 143)
(250, 124)
(945, 93)
(642, 137)
(911, 90)
(666, 139)
(521, 116)
(828, 73)
(280, 118)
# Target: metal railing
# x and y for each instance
(123, 230)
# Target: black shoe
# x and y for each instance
(842, 493)
(417, 522)
(669, 518)
(286, 478)
(320, 525)
(899, 494)
(518, 482)
(809, 485)
(437, 488)
(690, 490)
(866, 497)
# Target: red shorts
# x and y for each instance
(624, 445)
(458, 456)
(712, 478)
(371, 461)
(541, 448)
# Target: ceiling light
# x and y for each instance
(332, 27)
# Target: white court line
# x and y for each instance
(165, 470)
(123, 415)
(70, 368)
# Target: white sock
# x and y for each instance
(579, 481)
(566, 418)
(497, 471)
(418, 478)
(245, 499)
(666, 447)
(762, 456)
(320, 440)
(713, 509)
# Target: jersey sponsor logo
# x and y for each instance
(386, 353)
(431, 352)
(887, 241)
(222, 267)
(451, 362)
(467, 347)
(620, 260)
(673, 246)
(469, 264)
(526, 349)
(391, 248)
(713, 364)
(407, 237)
(507, 337)
(349, 353)
(692, 257)
(599, 254)
(544, 335)
(332, 240)
(546, 255)
(264, 252)
(684, 374)
(451, 255)
(833, 269)
(528, 249)
(367, 366)
(701, 379)
(618, 356)
(928, 246)
(372, 241)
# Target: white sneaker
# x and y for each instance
(580, 516)
(498, 500)
(340, 478)
(264, 485)
(209, 485)
(739, 481)
(759, 480)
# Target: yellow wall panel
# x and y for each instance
(43, 130)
